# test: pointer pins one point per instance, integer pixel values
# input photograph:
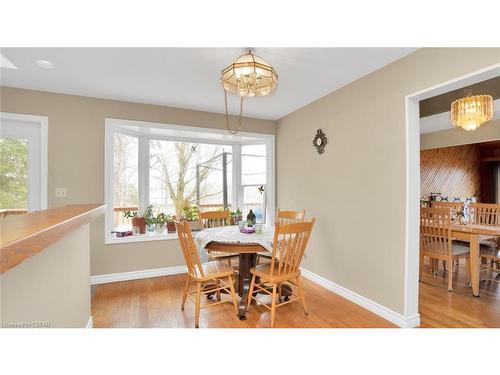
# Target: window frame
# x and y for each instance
(143, 130)
(37, 173)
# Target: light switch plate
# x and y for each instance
(61, 192)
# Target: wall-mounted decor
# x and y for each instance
(320, 141)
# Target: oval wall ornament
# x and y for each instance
(320, 141)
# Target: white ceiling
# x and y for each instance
(442, 121)
(189, 77)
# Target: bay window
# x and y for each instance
(170, 167)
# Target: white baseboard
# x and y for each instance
(134, 275)
(374, 307)
(90, 323)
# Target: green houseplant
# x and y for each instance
(138, 222)
(190, 213)
(160, 221)
(149, 217)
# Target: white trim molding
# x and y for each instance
(134, 275)
(90, 323)
(374, 307)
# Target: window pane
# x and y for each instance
(254, 199)
(126, 180)
(253, 164)
(253, 178)
(185, 173)
(13, 176)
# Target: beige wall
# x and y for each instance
(52, 286)
(489, 131)
(356, 189)
(76, 161)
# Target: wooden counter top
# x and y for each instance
(22, 236)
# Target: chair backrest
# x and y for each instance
(455, 207)
(435, 231)
(189, 250)
(289, 217)
(212, 219)
(485, 214)
(290, 241)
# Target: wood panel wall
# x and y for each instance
(451, 171)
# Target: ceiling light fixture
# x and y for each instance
(247, 76)
(472, 111)
(45, 64)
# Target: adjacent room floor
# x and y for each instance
(459, 309)
(155, 302)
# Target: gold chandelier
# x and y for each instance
(470, 112)
(247, 76)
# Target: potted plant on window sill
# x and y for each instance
(138, 222)
(170, 224)
(149, 218)
(190, 213)
(160, 221)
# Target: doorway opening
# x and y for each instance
(412, 104)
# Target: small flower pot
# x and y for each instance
(140, 224)
(170, 227)
(159, 228)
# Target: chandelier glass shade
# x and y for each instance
(248, 76)
(470, 112)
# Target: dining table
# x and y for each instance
(229, 239)
(474, 234)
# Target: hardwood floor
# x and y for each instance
(459, 309)
(155, 302)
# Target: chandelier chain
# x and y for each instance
(227, 115)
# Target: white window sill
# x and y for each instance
(146, 237)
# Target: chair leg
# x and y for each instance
(435, 266)
(250, 292)
(421, 267)
(184, 296)
(273, 306)
(233, 294)
(197, 308)
(484, 263)
(467, 266)
(450, 280)
(444, 266)
(301, 295)
(217, 286)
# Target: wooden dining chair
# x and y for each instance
(436, 241)
(290, 241)
(489, 215)
(216, 272)
(456, 209)
(214, 219)
(283, 217)
(289, 217)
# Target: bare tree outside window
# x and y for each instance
(126, 182)
(184, 173)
